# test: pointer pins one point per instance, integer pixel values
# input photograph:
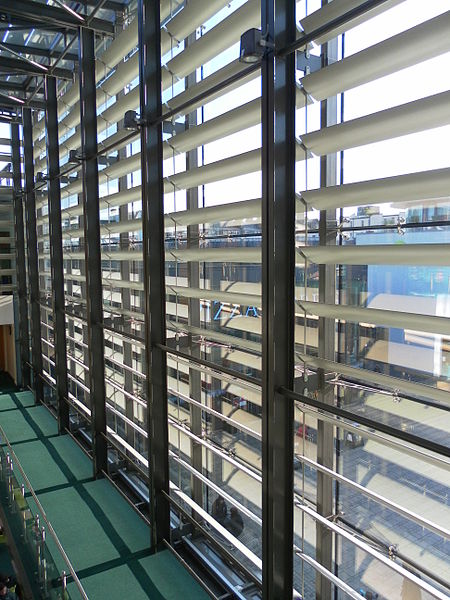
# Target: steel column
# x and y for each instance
(154, 281)
(278, 270)
(93, 260)
(56, 251)
(20, 258)
(32, 251)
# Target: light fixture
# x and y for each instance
(40, 177)
(131, 121)
(74, 157)
(253, 45)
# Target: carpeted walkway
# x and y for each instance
(105, 540)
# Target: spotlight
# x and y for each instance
(130, 120)
(74, 157)
(252, 46)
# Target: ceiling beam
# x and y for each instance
(73, 56)
(11, 86)
(43, 13)
(110, 4)
(8, 102)
(16, 66)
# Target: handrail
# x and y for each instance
(44, 516)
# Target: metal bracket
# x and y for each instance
(307, 62)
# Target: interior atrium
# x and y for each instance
(225, 299)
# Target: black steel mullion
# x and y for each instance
(32, 251)
(278, 270)
(56, 252)
(93, 259)
(154, 260)
(24, 341)
(283, 232)
(267, 280)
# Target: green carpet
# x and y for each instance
(159, 577)
(104, 538)
(6, 402)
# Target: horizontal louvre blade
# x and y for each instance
(210, 334)
(402, 188)
(186, 21)
(248, 162)
(412, 117)
(411, 47)
(169, 7)
(384, 381)
(210, 82)
(246, 255)
(212, 295)
(336, 9)
(387, 318)
(221, 37)
(213, 214)
(383, 254)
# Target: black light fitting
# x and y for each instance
(253, 46)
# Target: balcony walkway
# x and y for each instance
(105, 540)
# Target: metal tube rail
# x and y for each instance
(217, 414)
(117, 387)
(216, 450)
(78, 382)
(426, 587)
(129, 336)
(404, 436)
(387, 441)
(221, 549)
(126, 367)
(220, 491)
(114, 443)
(44, 516)
(328, 574)
(127, 420)
(341, 20)
(441, 531)
(213, 372)
(216, 370)
(231, 539)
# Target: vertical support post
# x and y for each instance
(154, 281)
(278, 270)
(20, 258)
(56, 251)
(32, 249)
(193, 274)
(267, 277)
(93, 260)
(327, 291)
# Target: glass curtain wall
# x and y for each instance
(371, 286)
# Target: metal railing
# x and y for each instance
(12, 459)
